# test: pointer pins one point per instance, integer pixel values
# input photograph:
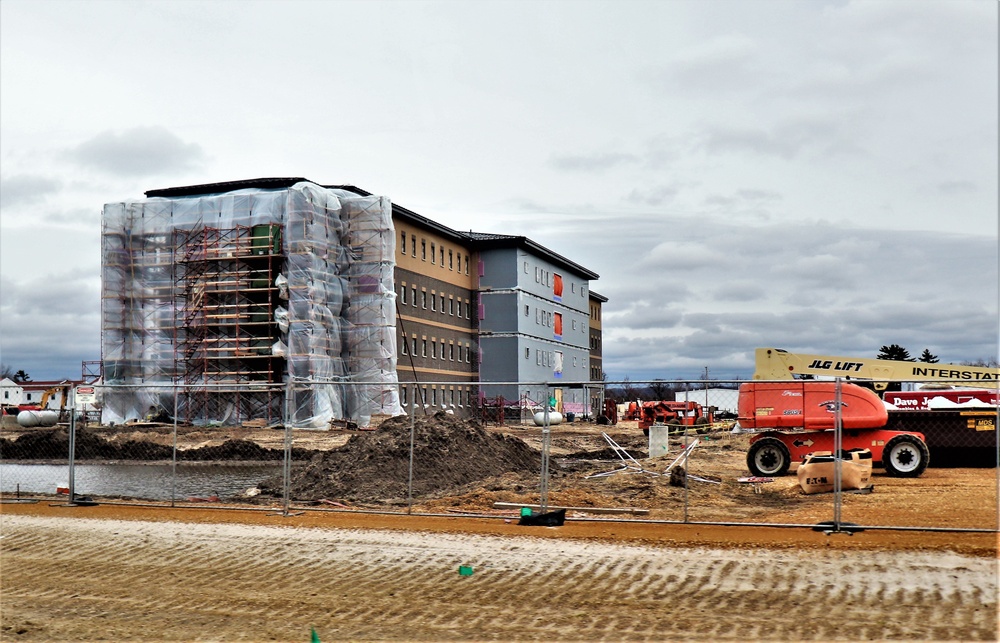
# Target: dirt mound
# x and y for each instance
(448, 453)
(53, 444)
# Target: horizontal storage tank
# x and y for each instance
(37, 418)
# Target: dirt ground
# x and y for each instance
(464, 467)
(125, 573)
(356, 567)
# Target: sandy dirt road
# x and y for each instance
(127, 574)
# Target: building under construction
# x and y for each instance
(251, 300)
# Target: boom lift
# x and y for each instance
(776, 364)
(800, 413)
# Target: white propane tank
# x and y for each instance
(555, 417)
(29, 419)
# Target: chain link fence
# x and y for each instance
(674, 451)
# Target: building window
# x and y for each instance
(413, 244)
(442, 304)
(434, 349)
(423, 249)
(434, 397)
(423, 348)
(423, 299)
(433, 253)
(451, 352)
(442, 349)
(538, 357)
(527, 353)
(403, 242)
(414, 351)
(525, 267)
(402, 346)
(413, 300)
(466, 264)
(442, 256)
(527, 310)
(451, 307)
(402, 294)
(451, 260)
(433, 302)
(402, 395)
(468, 356)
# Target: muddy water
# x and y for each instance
(145, 481)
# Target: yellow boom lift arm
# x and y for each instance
(777, 364)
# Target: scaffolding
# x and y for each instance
(227, 304)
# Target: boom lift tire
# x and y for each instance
(768, 457)
(905, 456)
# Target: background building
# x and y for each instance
(596, 352)
(255, 298)
(533, 328)
(241, 294)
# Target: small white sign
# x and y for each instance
(85, 395)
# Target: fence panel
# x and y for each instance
(661, 451)
(34, 459)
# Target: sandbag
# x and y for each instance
(816, 473)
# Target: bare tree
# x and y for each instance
(988, 362)
(660, 389)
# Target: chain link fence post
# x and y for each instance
(286, 484)
(546, 442)
(173, 456)
(409, 483)
(72, 453)
(838, 448)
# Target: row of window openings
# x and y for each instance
(547, 358)
(595, 343)
(447, 351)
(555, 280)
(453, 256)
(424, 296)
(595, 312)
(404, 395)
(545, 318)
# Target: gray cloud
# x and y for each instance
(787, 139)
(138, 152)
(957, 187)
(597, 162)
(717, 290)
(26, 189)
(653, 196)
(51, 324)
(722, 65)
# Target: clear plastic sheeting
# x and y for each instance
(235, 299)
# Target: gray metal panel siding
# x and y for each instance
(499, 359)
(536, 276)
(499, 268)
(539, 323)
(500, 312)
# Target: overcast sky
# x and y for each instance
(819, 176)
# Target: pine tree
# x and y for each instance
(926, 356)
(894, 352)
